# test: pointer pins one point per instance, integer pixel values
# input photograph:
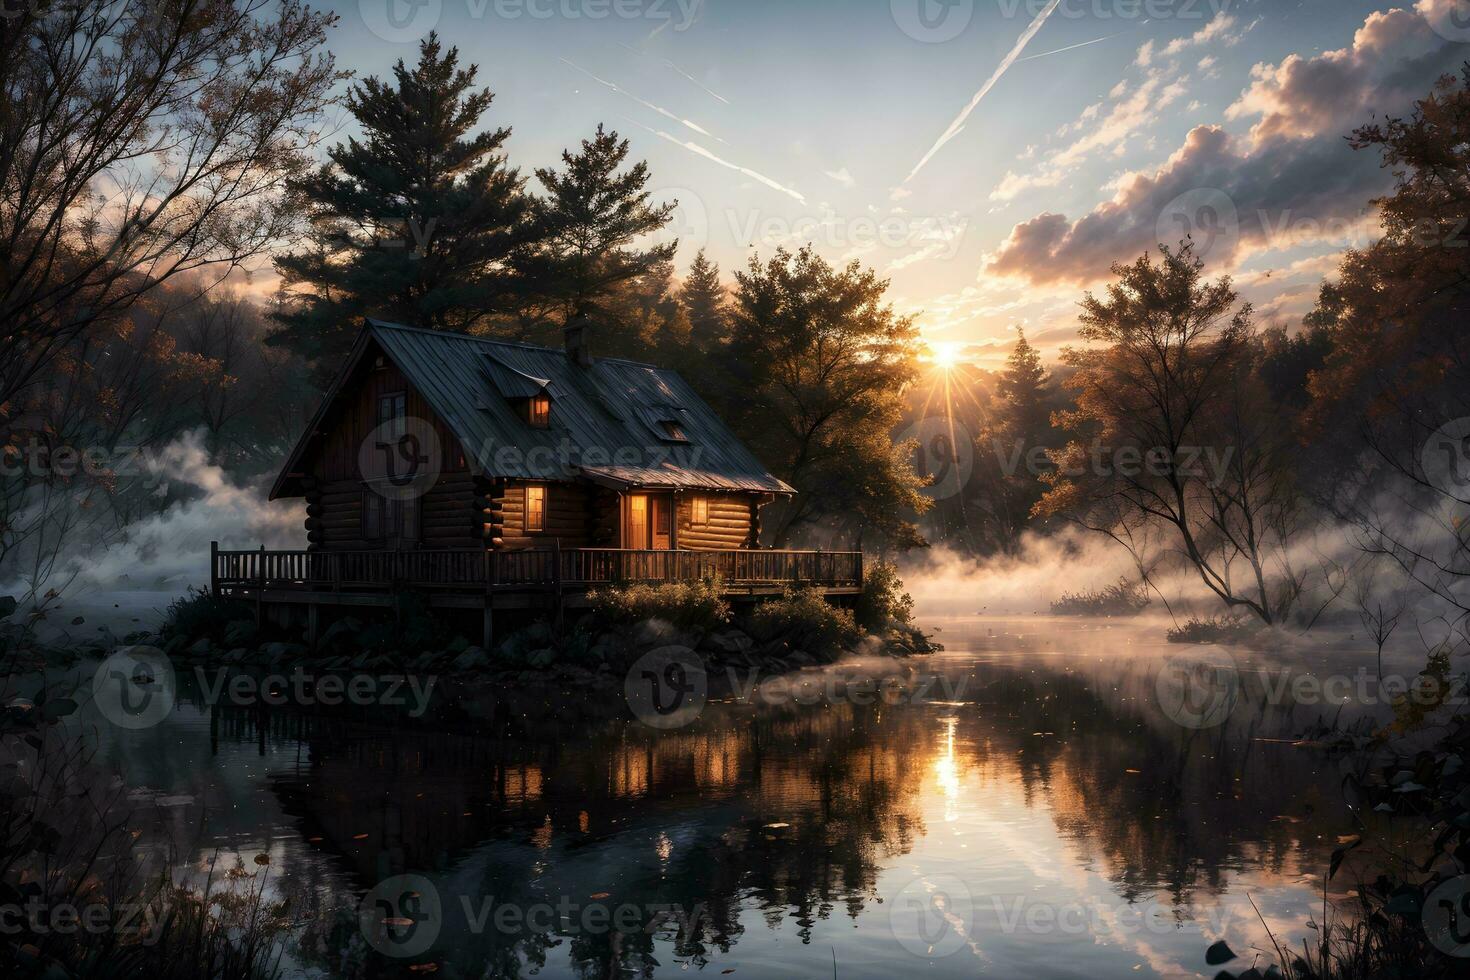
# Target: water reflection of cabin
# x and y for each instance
(494, 475)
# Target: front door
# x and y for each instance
(650, 522)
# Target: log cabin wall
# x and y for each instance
(730, 525)
(571, 519)
(335, 494)
(466, 511)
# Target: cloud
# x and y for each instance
(1132, 110)
(1290, 173)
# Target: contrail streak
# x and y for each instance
(696, 82)
(643, 102)
(701, 151)
(1010, 59)
(675, 68)
(1070, 47)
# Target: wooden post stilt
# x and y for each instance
(312, 621)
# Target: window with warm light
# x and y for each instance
(673, 431)
(699, 511)
(535, 508)
(538, 411)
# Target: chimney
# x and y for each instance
(574, 336)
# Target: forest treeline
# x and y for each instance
(1278, 465)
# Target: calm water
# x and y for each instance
(1034, 813)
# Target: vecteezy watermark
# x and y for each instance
(1445, 459)
(41, 459)
(303, 689)
(1201, 689)
(937, 21)
(1447, 916)
(401, 916)
(549, 461)
(940, 236)
(135, 687)
(944, 453)
(1024, 914)
(1211, 219)
(689, 223)
(1198, 689)
(1209, 463)
(401, 459)
(141, 921)
(667, 688)
(932, 21)
(401, 21)
(404, 916)
(1205, 215)
(933, 916)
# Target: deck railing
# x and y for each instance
(579, 567)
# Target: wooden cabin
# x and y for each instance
(464, 465)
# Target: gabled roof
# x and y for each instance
(607, 419)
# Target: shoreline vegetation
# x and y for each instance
(80, 846)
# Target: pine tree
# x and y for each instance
(1021, 423)
(587, 226)
(414, 222)
(1022, 390)
(703, 297)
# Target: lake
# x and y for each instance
(1033, 801)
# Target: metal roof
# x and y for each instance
(606, 418)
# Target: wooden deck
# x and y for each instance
(526, 570)
(490, 580)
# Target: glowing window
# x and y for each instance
(535, 508)
(673, 431)
(700, 507)
(538, 411)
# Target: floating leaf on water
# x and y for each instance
(601, 895)
(262, 859)
(1219, 952)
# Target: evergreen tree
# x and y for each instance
(1021, 388)
(587, 225)
(642, 319)
(414, 222)
(703, 298)
(1021, 424)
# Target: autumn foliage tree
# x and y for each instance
(1173, 429)
(145, 146)
(140, 141)
(819, 363)
(1397, 377)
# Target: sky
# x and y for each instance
(991, 158)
